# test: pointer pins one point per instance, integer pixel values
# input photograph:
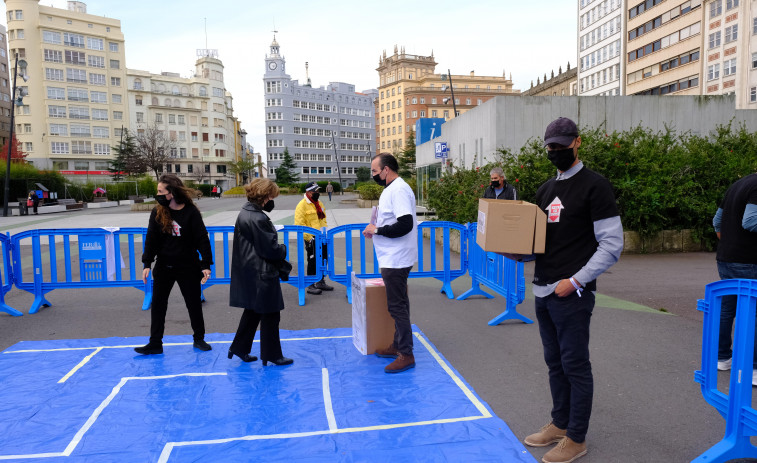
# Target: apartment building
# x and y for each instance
(329, 131)
(5, 89)
(76, 103)
(601, 32)
(410, 90)
(664, 47)
(730, 47)
(195, 112)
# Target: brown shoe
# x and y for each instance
(390, 352)
(549, 434)
(565, 452)
(402, 363)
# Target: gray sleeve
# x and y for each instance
(609, 235)
(717, 220)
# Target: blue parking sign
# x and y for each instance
(440, 150)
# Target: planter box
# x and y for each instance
(97, 205)
(367, 203)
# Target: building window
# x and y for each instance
(731, 33)
(96, 61)
(113, 47)
(73, 40)
(115, 81)
(729, 67)
(100, 114)
(713, 72)
(118, 115)
(753, 95)
(96, 79)
(56, 93)
(731, 4)
(716, 8)
(51, 37)
(59, 148)
(95, 44)
(714, 39)
(115, 64)
(53, 56)
(98, 97)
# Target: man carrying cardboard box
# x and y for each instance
(584, 239)
(395, 240)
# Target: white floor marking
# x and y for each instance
(95, 414)
(327, 400)
(81, 364)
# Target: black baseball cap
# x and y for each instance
(561, 131)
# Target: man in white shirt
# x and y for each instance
(395, 240)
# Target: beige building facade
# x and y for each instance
(196, 112)
(730, 44)
(562, 84)
(410, 90)
(76, 102)
(664, 47)
(5, 89)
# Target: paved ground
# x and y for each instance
(647, 407)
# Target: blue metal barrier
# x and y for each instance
(301, 281)
(736, 407)
(6, 278)
(504, 276)
(369, 267)
(90, 253)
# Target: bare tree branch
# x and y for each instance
(154, 147)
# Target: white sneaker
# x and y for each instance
(724, 365)
(754, 377)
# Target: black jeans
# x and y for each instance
(564, 329)
(270, 343)
(398, 302)
(310, 251)
(189, 283)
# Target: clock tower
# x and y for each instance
(274, 63)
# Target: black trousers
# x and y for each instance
(270, 343)
(398, 302)
(164, 278)
(310, 251)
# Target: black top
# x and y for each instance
(738, 245)
(572, 207)
(508, 192)
(179, 247)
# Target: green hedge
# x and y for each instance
(301, 186)
(370, 191)
(662, 180)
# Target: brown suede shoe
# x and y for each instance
(565, 452)
(549, 434)
(402, 363)
(390, 352)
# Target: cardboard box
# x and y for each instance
(372, 326)
(515, 227)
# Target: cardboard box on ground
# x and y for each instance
(515, 227)
(372, 326)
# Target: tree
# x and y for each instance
(199, 174)
(285, 173)
(16, 154)
(127, 161)
(154, 148)
(363, 174)
(406, 158)
(244, 166)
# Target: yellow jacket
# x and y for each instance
(306, 215)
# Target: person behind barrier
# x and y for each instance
(256, 262)
(395, 240)
(735, 223)
(175, 233)
(329, 189)
(584, 239)
(499, 188)
(34, 200)
(311, 213)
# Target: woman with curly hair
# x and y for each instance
(175, 234)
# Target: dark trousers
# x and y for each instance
(270, 344)
(189, 283)
(398, 302)
(728, 270)
(564, 329)
(329, 196)
(310, 252)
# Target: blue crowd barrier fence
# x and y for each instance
(736, 406)
(6, 277)
(502, 275)
(367, 266)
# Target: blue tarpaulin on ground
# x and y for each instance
(95, 400)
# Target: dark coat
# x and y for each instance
(255, 261)
(507, 193)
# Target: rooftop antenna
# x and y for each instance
(307, 75)
(206, 33)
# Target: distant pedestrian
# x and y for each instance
(499, 188)
(735, 223)
(175, 234)
(310, 212)
(35, 200)
(214, 192)
(395, 240)
(330, 190)
(584, 239)
(220, 190)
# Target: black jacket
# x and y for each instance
(507, 193)
(178, 248)
(255, 262)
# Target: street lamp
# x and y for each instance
(448, 77)
(22, 64)
(338, 170)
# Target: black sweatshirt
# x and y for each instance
(179, 247)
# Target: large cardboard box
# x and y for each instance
(515, 227)
(372, 326)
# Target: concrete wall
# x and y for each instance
(509, 122)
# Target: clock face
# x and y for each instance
(272, 65)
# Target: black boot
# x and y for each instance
(149, 349)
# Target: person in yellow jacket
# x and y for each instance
(310, 213)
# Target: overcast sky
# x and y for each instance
(341, 40)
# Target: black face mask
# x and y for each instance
(162, 200)
(315, 196)
(562, 159)
(377, 179)
(495, 185)
(268, 206)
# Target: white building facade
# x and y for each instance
(601, 42)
